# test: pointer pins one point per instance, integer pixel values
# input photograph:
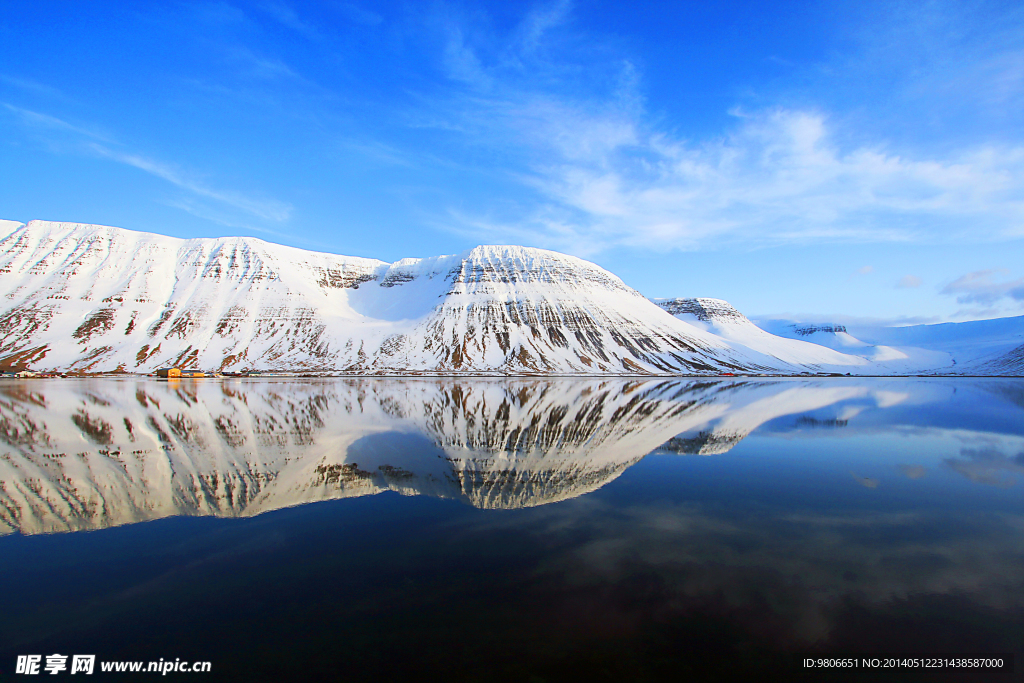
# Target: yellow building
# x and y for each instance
(168, 372)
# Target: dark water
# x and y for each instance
(518, 530)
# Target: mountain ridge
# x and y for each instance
(88, 298)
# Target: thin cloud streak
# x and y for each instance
(287, 16)
(201, 210)
(29, 85)
(34, 119)
(360, 15)
(268, 209)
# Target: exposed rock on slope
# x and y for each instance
(825, 328)
(704, 310)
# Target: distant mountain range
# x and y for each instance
(982, 347)
(92, 298)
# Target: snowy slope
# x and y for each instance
(970, 345)
(976, 347)
(95, 298)
(835, 336)
(827, 346)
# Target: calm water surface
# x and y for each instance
(510, 530)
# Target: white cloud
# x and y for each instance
(605, 173)
(979, 287)
(909, 282)
(865, 270)
(778, 177)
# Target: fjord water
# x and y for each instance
(509, 529)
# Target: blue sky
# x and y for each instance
(820, 160)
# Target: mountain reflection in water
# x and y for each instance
(87, 454)
(556, 530)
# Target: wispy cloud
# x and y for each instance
(89, 141)
(860, 272)
(223, 217)
(540, 21)
(259, 66)
(34, 119)
(909, 282)
(605, 173)
(776, 178)
(981, 287)
(268, 209)
(360, 15)
(30, 85)
(287, 16)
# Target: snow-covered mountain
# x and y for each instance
(96, 452)
(95, 298)
(91, 298)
